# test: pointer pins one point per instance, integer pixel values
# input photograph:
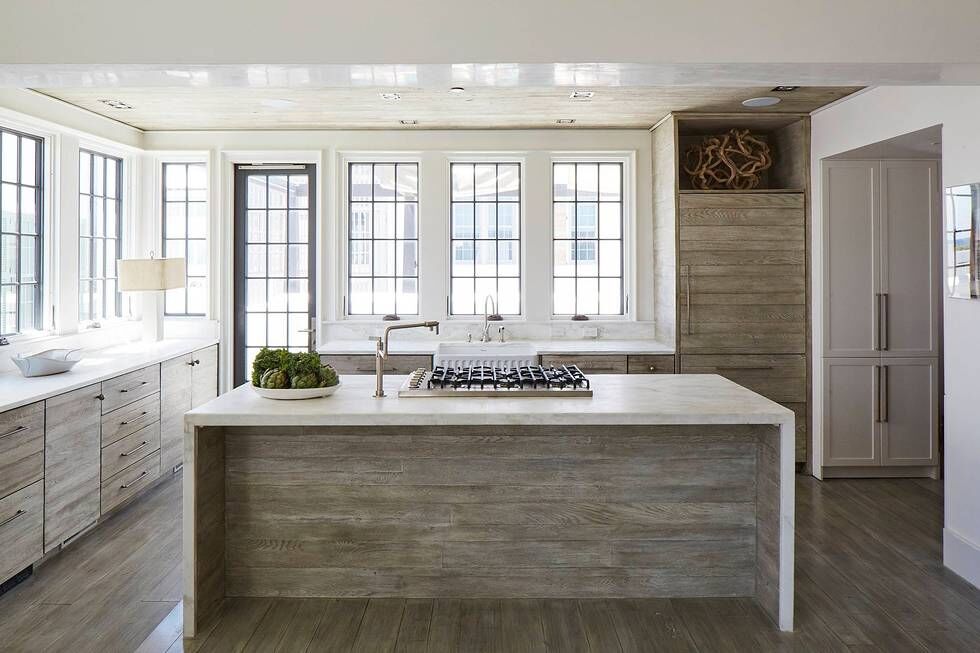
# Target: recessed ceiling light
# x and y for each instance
(784, 89)
(115, 104)
(757, 102)
(457, 90)
(391, 96)
(582, 95)
(409, 122)
(566, 121)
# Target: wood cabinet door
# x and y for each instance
(910, 401)
(175, 400)
(852, 250)
(204, 376)
(851, 429)
(72, 459)
(742, 273)
(910, 258)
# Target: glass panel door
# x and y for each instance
(274, 260)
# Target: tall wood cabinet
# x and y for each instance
(882, 294)
(741, 303)
(185, 383)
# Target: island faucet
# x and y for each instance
(489, 317)
(381, 354)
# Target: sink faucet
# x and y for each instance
(489, 317)
(381, 354)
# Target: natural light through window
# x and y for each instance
(485, 237)
(99, 227)
(185, 233)
(383, 239)
(588, 239)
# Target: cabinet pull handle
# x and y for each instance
(15, 431)
(884, 323)
(877, 322)
(133, 482)
(12, 517)
(137, 417)
(687, 296)
(191, 363)
(652, 368)
(100, 397)
(884, 393)
(135, 387)
(130, 453)
(877, 391)
(197, 361)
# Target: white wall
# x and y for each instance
(436, 31)
(874, 116)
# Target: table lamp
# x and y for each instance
(151, 276)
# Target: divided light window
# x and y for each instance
(20, 232)
(588, 239)
(485, 237)
(185, 233)
(100, 237)
(383, 239)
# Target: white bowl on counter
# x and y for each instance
(45, 363)
(295, 393)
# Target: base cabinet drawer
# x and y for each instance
(126, 389)
(364, 364)
(130, 482)
(650, 364)
(21, 529)
(589, 364)
(123, 453)
(127, 420)
(781, 378)
(21, 447)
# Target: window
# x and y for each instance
(185, 232)
(963, 240)
(20, 232)
(383, 239)
(99, 231)
(485, 238)
(588, 239)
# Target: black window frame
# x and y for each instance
(186, 238)
(38, 187)
(575, 239)
(478, 302)
(92, 315)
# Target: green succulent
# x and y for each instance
(328, 376)
(275, 379)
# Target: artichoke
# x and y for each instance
(328, 376)
(275, 379)
(305, 381)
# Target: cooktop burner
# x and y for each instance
(486, 381)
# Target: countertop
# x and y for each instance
(96, 365)
(618, 399)
(428, 347)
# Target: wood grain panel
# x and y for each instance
(125, 485)
(780, 378)
(650, 364)
(21, 529)
(129, 419)
(364, 364)
(21, 447)
(72, 458)
(130, 450)
(589, 364)
(127, 388)
(204, 384)
(740, 200)
(176, 392)
(401, 512)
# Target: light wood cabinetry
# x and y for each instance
(21, 529)
(185, 383)
(882, 295)
(21, 447)
(650, 364)
(364, 363)
(126, 389)
(588, 363)
(204, 376)
(72, 446)
(125, 485)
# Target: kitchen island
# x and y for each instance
(657, 486)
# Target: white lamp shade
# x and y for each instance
(138, 274)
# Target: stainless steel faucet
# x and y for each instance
(489, 317)
(381, 354)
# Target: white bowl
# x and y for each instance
(52, 361)
(296, 393)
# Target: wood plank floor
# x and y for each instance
(869, 578)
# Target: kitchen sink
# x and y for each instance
(497, 354)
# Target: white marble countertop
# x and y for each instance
(428, 347)
(96, 365)
(618, 399)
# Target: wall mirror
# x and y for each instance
(963, 241)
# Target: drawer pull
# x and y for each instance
(197, 361)
(12, 517)
(100, 397)
(135, 387)
(652, 368)
(15, 431)
(128, 421)
(133, 482)
(130, 453)
(747, 368)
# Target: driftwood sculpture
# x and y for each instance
(733, 161)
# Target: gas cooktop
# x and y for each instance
(487, 381)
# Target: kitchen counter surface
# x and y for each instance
(96, 365)
(428, 347)
(618, 399)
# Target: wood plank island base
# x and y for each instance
(658, 486)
